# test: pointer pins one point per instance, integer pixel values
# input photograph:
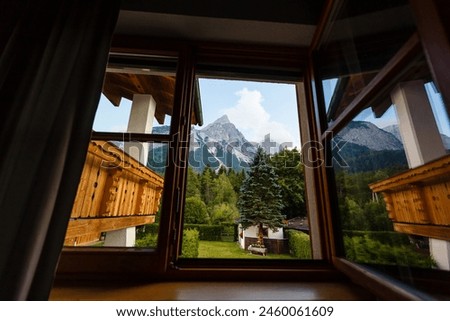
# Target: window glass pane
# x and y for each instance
(241, 201)
(392, 179)
(440, 114)
(365, 151)
(141, 91)
(116, 193)
(121, 186)
(356, 46)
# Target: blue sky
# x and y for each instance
(256, 109)
(110, 118)
(390, 117)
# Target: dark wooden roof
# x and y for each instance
(125, 85)
(162, 88)
(298, 223)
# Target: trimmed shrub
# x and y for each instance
(223, 232)
(190, 244)
(299, 244)
(206, 232)
(147, 240)
(229, 232)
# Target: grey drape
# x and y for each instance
(53, 59)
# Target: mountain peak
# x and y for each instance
(222, 120)
(368, 135)
(220, 144)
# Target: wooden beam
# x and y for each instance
(433, 171)
(222, 58)
(381, 285)
(86, 226)
(434, 32)
(305, 12)
(130, 137)
(433, 231)
(329, 10)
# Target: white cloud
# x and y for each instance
(252, 119)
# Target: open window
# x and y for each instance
(156, 179)
(245, 190)
(385, 126)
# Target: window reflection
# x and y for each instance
(440, 113)
(356, 47)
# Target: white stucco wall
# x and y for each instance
(124, 238)
(252, 231)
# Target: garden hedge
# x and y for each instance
(299, 244)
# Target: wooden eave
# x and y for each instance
(125, 85)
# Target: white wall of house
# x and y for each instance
(276, 235)
(124, 238)
(252, 231)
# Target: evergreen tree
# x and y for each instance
(288, 167)
(260, 198)
(206, 184)
(193, 183)
(236, 179)
(222, 170)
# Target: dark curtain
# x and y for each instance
(52, 64)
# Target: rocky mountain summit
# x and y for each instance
(368, 135)
(219, 144)
(362, 146)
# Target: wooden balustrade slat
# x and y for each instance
(112, 185)
(87, 226)
(418, 200)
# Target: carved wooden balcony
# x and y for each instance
(115, 192)
(418, 201)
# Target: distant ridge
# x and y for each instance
(368, 135)
(361, 146)
(219, 144)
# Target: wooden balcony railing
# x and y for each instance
(418, 201)
(115, 192)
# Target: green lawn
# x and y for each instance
(231, 250)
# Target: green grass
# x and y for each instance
(231, 250)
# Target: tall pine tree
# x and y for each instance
(260, 197)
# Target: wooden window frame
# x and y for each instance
(432, 39)
(144, 264)
(163, 263)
